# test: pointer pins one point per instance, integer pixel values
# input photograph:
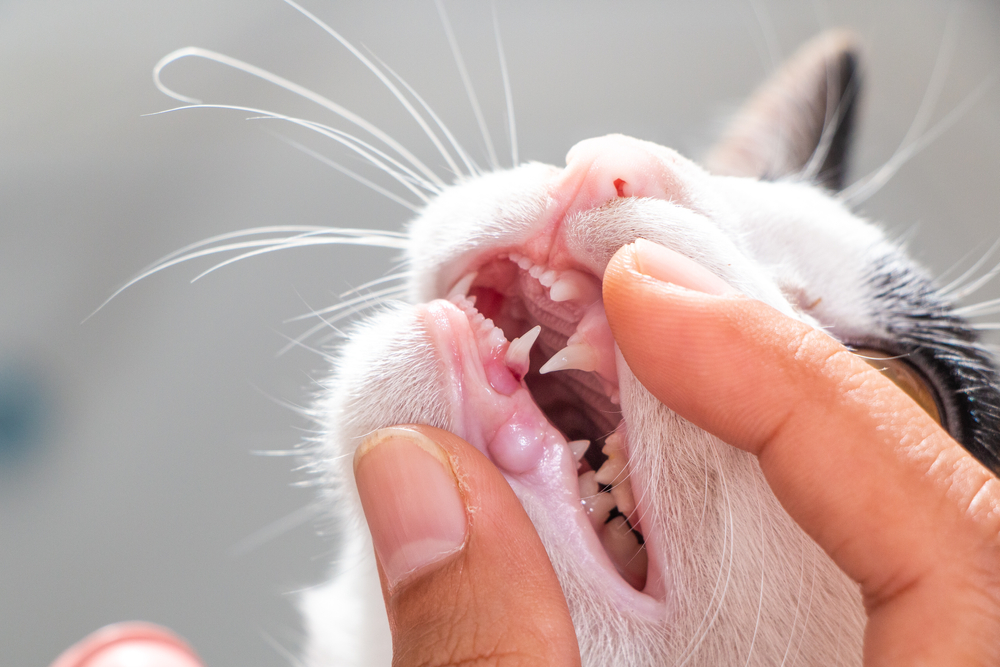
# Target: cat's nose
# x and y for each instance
(601, 169)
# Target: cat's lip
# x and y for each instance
(495, 412)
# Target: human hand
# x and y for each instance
(896, 502)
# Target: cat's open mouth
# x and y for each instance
(532, 367)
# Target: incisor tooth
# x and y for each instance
(461, 288)
(518, 352)
(579, 448)
(580, 356)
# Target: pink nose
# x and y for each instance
(599, 170)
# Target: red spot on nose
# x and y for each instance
(620, 187)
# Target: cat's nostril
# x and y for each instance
(620, 186)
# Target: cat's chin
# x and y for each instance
(530, 366)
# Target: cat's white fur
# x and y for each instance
(745, 585)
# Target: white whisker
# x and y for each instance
(990, 307)
(470, 164)
(301, 91)
(867, 186)
(405, 176)
(403, 275)
(386, 82)
(350, 174)
(363, 298)
(467, 82)
(508, 97)
(957, 282)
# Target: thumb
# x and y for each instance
(463, 571)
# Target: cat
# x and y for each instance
(745, 585)
(709, 570)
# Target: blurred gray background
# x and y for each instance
(129, 487)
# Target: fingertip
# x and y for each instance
(131, 644)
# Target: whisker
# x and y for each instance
(865, 187)
(328, 323)
(508, 97)
(329, 310)
(973, 286)
(467, 82)
(350, 174)
(365, 237)
(385, 81)
(294, 88)
(402, 275)
(990, 307)
(470, 164)
(284, 245)
(408, 178)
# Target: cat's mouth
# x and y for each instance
(532, 366)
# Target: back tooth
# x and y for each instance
(622, 493)
(524, 263)
(588, 487)
(580, 356)
(518, 352)
(598, 508)
(548, 278)
(579, 448)
(461, 288)
(573, 285)
(536, 272)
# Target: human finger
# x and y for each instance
(896, 502)
(463, 571)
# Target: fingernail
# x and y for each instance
(411, 501)
(664, 264)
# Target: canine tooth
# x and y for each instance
(524, 263)
(548, 278)
(461, 288)
(588, 487)
(517, 357)
(579, 448)
(581, 357)
(573, 285)
(622, 493)
(628, 556)
(598, 508)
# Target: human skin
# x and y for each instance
(903, 509)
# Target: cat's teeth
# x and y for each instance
(579, 356)
(622, 493)
(573, 285)
(588, 486)
(598, 508)
(579, 448)
(628, 556)
(524, 263)
(612, 469)
(461, 288)
(548, 278)
(536, 271)
(518, 352)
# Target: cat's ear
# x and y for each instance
(799, 122)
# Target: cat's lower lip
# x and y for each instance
(496, 412)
